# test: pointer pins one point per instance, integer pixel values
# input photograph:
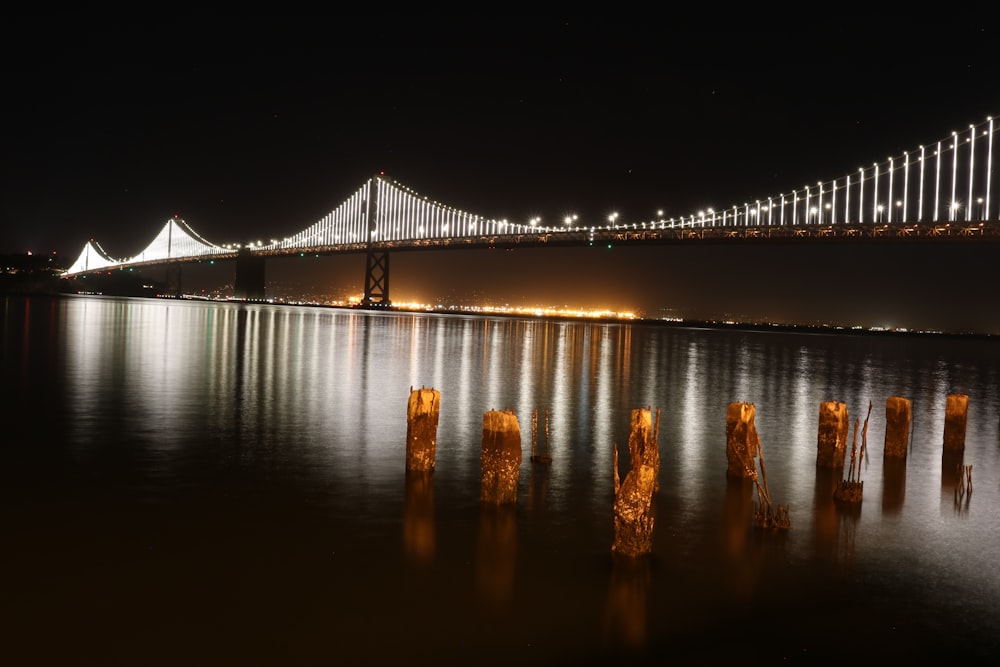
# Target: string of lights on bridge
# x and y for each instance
(948, 182)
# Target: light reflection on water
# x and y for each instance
(234, 473)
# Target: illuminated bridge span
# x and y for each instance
(940, 191)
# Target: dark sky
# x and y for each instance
(255, 127)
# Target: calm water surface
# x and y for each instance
(193, 483)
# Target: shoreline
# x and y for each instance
(759, 327)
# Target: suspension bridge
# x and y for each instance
(940, 191)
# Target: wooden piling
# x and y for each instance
(422, 413)
(897, 426)
(742, 442)
(955, 413)
(633, 508)
(831, 439)
(544, 456)
(501, 457)
(851, 490)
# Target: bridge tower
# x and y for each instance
(377, 261)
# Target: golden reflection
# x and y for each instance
(538, 485)
(496, 553)
(418, 518)
(850, 514)
(743, 558)
(893, 483)
(737, 511)
(626, 618)
(956, 478)
(827, 518)
(951, 468)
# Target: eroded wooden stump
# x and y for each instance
(742, 441)
(422, 413)
(501, 457)
(849, 492)
(633, 506)
(831, 439)
(897, 426)
(955, 413)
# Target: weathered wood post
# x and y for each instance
(831, 439)
(955, 412)
(742, 442)
(897, 426)
(501, 457)
(422, 413)
(633, 506)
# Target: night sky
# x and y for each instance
(254, 128)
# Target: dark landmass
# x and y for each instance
(40, 274)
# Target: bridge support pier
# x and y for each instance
(376, 280)
(249, 282)
(173, 280)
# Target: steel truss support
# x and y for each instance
(377, 264)
(377, 280)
